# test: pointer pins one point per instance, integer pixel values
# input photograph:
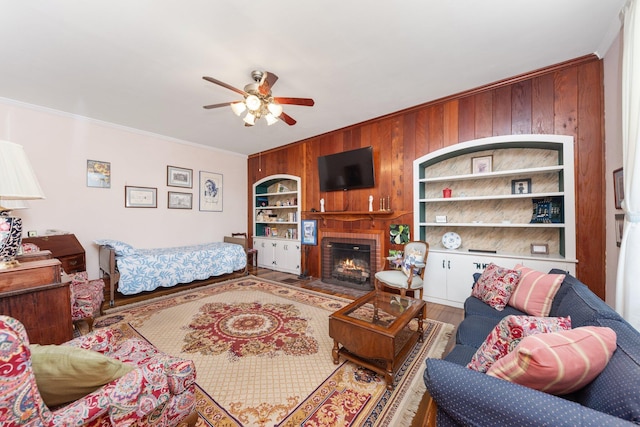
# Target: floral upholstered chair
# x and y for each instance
(157, 389)
(87, 297)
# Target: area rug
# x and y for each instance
(263, 356)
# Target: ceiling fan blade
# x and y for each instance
(307, 102)
(224, 104)
(287, 119)
(223, 84)
(267, 82)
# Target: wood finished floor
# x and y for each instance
(438, 312)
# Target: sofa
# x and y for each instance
(467, 397)
(152, 388)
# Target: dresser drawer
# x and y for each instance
(73, 263)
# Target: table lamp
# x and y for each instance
(17, 182)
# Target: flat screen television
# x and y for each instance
(347, 170)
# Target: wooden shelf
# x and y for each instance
(348, 216)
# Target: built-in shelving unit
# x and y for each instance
(490, 213)
(276, 216)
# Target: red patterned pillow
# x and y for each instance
(495, 285)
(558, 362)
(535, 291)
(508, 333)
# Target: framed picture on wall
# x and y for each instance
(618, 187)
(619, 229)
(98, 174)
(140, 197)
(176, 200)
(210, 191)
(309, 232)
(179, 177)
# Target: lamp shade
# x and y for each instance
(17, 179)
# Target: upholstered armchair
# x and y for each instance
(87, 297)
(159, 390)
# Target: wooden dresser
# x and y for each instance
(65, 247)
(35, 294)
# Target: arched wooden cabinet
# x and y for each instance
(510, 199)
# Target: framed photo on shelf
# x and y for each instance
(521, 186)
(619, 228)
(179, 177)
(176, 200)
(210, 191)
(618, 187)
(309, 232)
(98, 174)
(540, 248)
(483, 164)
(140, 197)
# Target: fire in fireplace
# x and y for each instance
(347, 262)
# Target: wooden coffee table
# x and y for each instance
(373, 331)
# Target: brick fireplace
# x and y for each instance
(350, 259)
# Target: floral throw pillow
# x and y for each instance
(415, 256)
(495, 285)
(508, 333)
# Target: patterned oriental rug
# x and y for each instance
(263, 356)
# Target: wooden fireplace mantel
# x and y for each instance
(347, 216)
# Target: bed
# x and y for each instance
(134, 270)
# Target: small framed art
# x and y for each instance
(521, 186)
(309, 232)
(140, 197)
(539, 248)
(619, 229)
(618, 187)
(177, 200)
(98, 174)
(210, 191)
(179, 177)
(483, 164)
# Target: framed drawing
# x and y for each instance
(179, 177)
(98, 174)
(309, 232)
(210, 191)
(140, 197)
(178, 200)
(619, 228)
(618, 187)
(482, 164)
(521, 186)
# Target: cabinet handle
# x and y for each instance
(443, 261)
(449, 265)
(73, 262)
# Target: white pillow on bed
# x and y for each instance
(121, 248)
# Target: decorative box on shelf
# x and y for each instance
(547, 210)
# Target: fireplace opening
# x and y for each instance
(348, 263)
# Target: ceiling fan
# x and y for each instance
(258, 101)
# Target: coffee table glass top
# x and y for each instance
(381, 308)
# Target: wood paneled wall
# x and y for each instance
(565, 99)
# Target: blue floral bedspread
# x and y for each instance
(148, 269)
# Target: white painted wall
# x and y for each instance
(59, 146)
(613, 154)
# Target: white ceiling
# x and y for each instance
(139, 63)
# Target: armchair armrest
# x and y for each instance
(474, 398)
(127, 399)
(100, 340)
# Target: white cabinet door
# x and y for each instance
(435, 277)
(288, 256)
(266, 253)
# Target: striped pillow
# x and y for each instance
(558, 362)
(535, 291)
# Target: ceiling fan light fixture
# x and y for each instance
(253, 102)
(238, 108)
(275, 109)
(271, 119)
(250, 119)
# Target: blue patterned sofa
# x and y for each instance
(467, 397)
